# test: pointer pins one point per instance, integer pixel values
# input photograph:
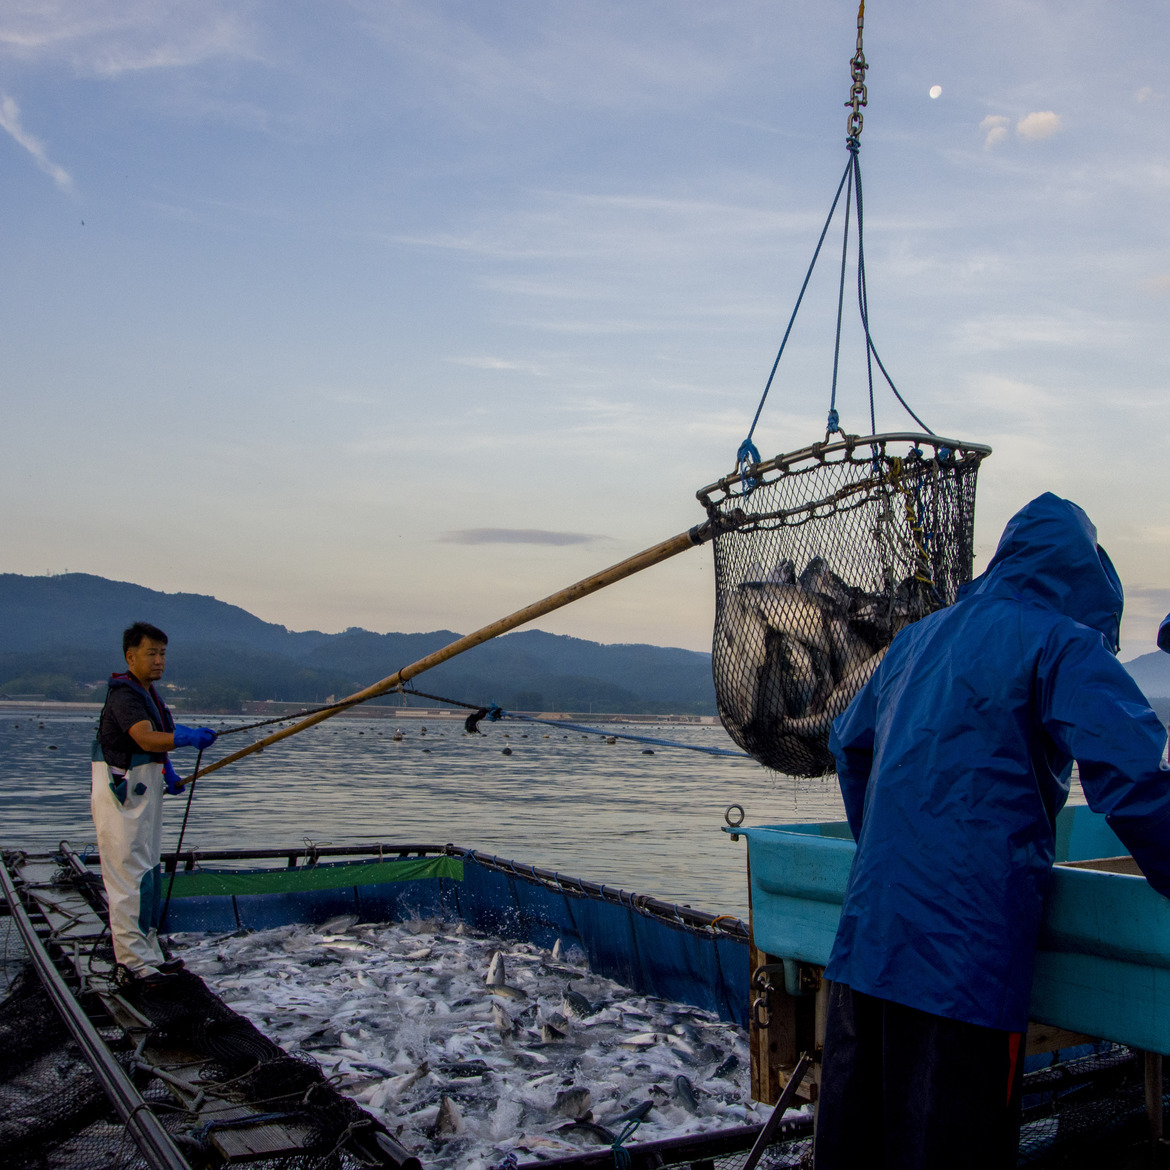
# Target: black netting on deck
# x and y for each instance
(245, 1065)
(817, 567)
(1086, 1114)
(54, 1114)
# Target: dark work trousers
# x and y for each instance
(902, 1089)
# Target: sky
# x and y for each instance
(403, 315)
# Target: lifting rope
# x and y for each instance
(748, 456)
(494, 714)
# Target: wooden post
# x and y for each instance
(1153, 1069)
(700, 534)
(781, 1026)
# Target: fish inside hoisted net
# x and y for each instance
(795, 650)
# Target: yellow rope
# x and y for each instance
(922, 568)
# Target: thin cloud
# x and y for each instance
(517, 536)
(1038, 125)
(1073, 330)
(107, 38)
(995, 129)
(10, 121)
(492, 363)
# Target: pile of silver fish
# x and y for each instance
(468, 1047)
(791, 652)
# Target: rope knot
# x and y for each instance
(621, 1156)
(745, 458)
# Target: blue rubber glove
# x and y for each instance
(172, 779)
(196, 737)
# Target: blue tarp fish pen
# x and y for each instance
(654, 947)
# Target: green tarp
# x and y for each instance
(212, 883)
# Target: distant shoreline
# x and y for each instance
(369, 711)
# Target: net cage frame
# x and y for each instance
(821, 556)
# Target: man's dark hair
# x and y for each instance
(139, 632)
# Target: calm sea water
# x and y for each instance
(573, 803)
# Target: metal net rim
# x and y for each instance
(849, 449)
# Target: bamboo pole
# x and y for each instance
(627, 568)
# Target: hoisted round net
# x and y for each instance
(821, 557)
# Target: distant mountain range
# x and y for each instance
(60, 634)
(1151, 672)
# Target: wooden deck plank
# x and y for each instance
(1124, 864)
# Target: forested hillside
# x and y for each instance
(60, 636)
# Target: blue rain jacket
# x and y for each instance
(955, 759)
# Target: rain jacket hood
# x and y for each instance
(1049, 556)
(954, 760)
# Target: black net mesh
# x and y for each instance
(1085, 1114)
(246, 1066)
(833, 551)
(54, 1114)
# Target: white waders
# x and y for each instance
(127, 813)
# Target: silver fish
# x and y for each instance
(575, 1102)
(575, 1004)
(840, 698)
(496, 975)
(644, 1040)
(599, 1133)
(450, 1119)
(506, 992)
(782, 573)
(740, 654)
(685, 1092)
(336, 925)
(501, 1021)
(818, 620)
(636, 1113)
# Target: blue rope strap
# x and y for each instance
(621, 1156)
(799, 299)
(746, 457)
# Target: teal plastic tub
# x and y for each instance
(1103, 967)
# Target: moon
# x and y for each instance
(935, 91)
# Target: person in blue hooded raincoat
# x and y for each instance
(953, 762)
(129, 773)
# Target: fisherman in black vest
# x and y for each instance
(130, 773)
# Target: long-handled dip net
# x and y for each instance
(817, 566)
(823, 555)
